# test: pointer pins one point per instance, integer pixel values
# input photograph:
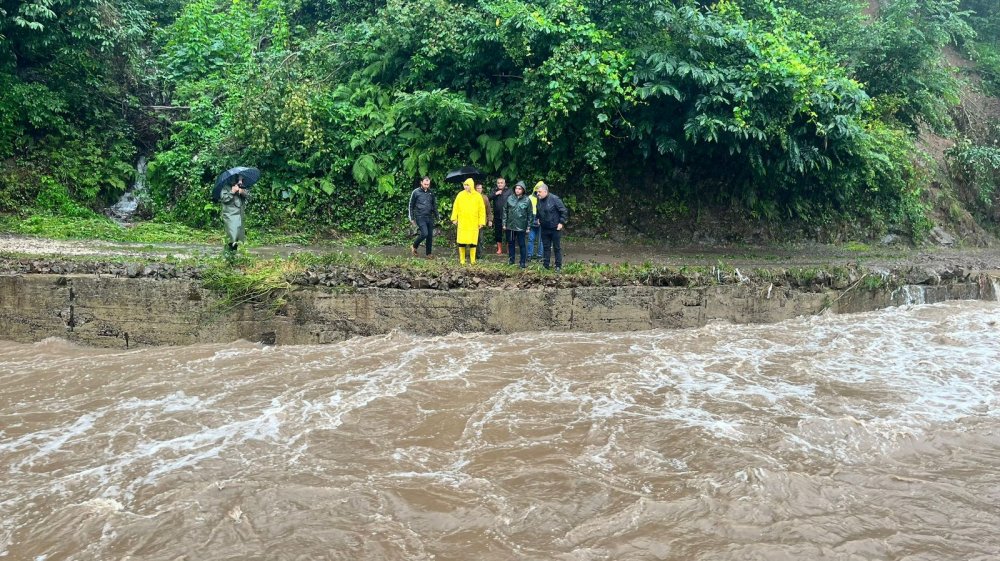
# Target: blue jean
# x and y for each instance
(535, 233)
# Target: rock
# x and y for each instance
(132, 270)
(890, 239)
(421, 283)
(939, 236)
(921, 275)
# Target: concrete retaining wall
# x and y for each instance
(115, 312)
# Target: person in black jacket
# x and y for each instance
(499, 200)
(423, 214)
(552, 217)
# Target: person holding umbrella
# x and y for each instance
(469, 214)
(232, 188)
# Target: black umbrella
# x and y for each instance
(250, 176)
(461, 174)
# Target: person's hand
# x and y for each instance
(235, 189)
(455, 222)
(414, 222)
(559, 227)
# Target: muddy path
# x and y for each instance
(588, 251)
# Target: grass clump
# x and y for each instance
(240, 279)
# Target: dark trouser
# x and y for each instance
(425, 231)
(498, 231)
(550, 241)
(516, 237)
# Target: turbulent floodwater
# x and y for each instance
(854, 437)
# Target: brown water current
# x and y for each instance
(854, 437)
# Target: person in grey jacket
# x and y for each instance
(552, 217)
(423, 214)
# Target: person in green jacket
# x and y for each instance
(233, 200)
(517, 219)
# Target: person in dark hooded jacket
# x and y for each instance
(517, 220)
(552, 217)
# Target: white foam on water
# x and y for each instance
(921, 384)
(172, 403)
(851, 388)
(49, 441)
(102, 505)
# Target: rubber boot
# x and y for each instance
(461, 254)
(472, 255)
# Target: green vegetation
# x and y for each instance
(639, 113)
(251, 281)
(100, 228)
(985, 49)
(95, 227)
(975, 158)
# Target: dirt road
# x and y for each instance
(574, 250)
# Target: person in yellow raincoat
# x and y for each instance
(469, 214)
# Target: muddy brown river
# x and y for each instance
(855, 437)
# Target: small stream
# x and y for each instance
(126, 207)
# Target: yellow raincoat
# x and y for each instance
(470, 214)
